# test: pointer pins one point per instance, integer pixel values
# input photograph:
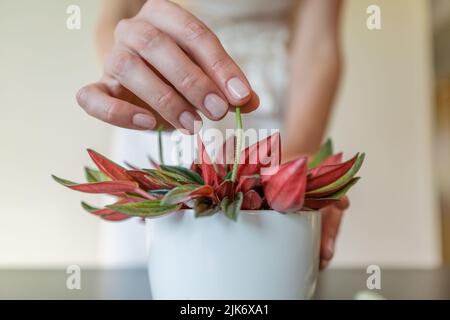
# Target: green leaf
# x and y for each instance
(66, 183)
(231, 208)
(93, 175)
(341, 193)
(178, 194)
(187, 192)
(88, 207)
(204, 207)
(342, 181)
(158, 192)
(151, 208)
(325, 151)
(228, 176)
(190, 175)
(162, 179)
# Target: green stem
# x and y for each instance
(237, 156)
(160, 145)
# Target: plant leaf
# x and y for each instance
(208, 171)
(231, 207)
(143, 179)
(252, 200)
(153, 162)
(324, 152)
(341, 182)
(108, 167)
(93, 175)
(187, 192)
(204, 207)
(88, 207)
(285, 190)
(318, 203)
(161, 179)
(262, 154)
(333, 159)
(190, 175)
(225, 189)
(109, 187)
(151, 208)
(225, 157)
(248, 182)
(159, 192)
(326, 175)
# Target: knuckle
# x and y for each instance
(195, 29)
(190, 80)
(163, 101)
(120, 63)
(151, 4)
(221, 64)
(149, 36)
(112, 110)
(121, 28)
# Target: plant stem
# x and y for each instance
(237, 156)
(160, 146)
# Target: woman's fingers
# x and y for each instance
(343, 204)
(202, 45)
(331, 220)
(96, 101)
(252, 104)
(136, 76)
(163, 54)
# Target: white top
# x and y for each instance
(255, 33)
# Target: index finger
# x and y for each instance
(204, 47)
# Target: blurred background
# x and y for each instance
(394, 103)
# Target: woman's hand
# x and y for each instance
(331, 220)
(165, 67)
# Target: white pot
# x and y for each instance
(264, 255)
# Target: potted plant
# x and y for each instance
(271, 252)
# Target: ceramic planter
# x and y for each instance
(264, 255)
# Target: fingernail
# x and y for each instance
(190, 122)
(144, 121)
(215, 105)
(237, 88)
(329, 248)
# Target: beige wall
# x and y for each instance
(384, 109)
(42, 132)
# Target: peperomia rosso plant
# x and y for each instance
(238, 181)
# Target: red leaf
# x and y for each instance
(116, 217)
(208, 172)
(109, 187)
(187, 193)
(108, 167)
(117, 188)
(153, 162)
(265, 153)
(285, 190)
(225, 156)
(196, 168)
(111, 215)
(327, 166)
(252, 201)
(327, 174)
(333, 159)
(143, 179)
(202, 191)
(225, 189)
(248, 182)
